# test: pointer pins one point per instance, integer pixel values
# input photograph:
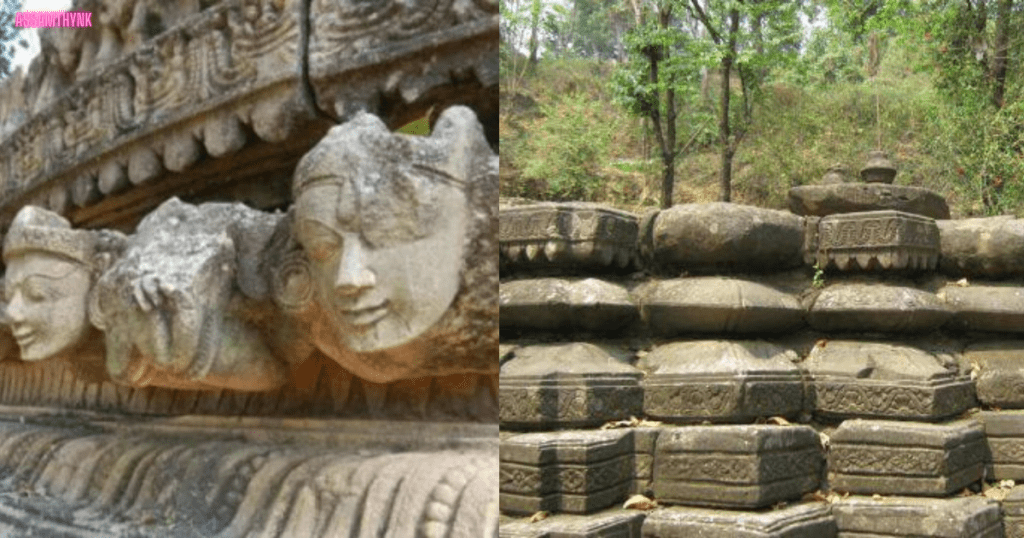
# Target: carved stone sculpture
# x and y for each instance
(398, 272)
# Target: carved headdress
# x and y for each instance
(40, 230)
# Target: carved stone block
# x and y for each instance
(876, 308)
(877, 240)
(553, 304)
(644, 441)
(567, 386)
(999, 367)
(885, 380)
(985, 308)
(719, 305)
(796, 521)
(1004, 431)
(989, 247)
(736, 466)
(721, 381)
(612, 523)
(824, 200)
(704, 238)
(912, 517)
(906, 458)
(1013, 513)
(579, 472)
(570, 237)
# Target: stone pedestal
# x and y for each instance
(554, 304)
(577, 472)
(824, 200)
(797, 521)
(566, 386)
(567, 237)
(612, 523)
(876, 308)
(959, 517)
(1013, 513)
(736, 466)
(885, 380)
(906, 458)
(721, 381)
(719, 305)
(877, 240)
(1004, 431)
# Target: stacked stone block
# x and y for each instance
(855, 335)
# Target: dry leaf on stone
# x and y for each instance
(876, 497)
(826, 441)
(539, 516)
(779, 421)
(1007, 484)
(962, 282)
(639, 502)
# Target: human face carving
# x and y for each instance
(379, 285)
(46, 304)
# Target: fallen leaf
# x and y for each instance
(639, 502)
(543, 514)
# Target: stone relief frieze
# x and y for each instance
(386, 264)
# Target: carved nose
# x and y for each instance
(354, 274)
(14, 312)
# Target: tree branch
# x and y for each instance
(715, 36)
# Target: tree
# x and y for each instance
(10, 36)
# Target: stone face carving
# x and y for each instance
(877, 240)
(373, 212)
(906, 458)
(567, 237)
(736, 466)
(190, 302)
(50, 271)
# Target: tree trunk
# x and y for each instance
(723, 123)
(1000, 62)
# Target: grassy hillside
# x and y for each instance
(562, 137)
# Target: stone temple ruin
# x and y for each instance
(236, 304)
(850, 368)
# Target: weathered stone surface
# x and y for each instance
(1013, 513)
(721, 381)
(1004, 431)
(571, 471)
(906, 458)
(877, 240)
(824, 200)
(876, 307)
(364, 229)
(796, 521)
(553, 304)
(703, 238)
(567, 385)
(885, 380)
(736, 466)
(192, 481)
(644, 441)
(568, 237)
(999, 367)
(718, 305)
(612, 523)
(958, 517)
(990, 247)
(985, 308)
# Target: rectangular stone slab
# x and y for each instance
(797, 521)
(571, 471)
(613, 523)
(957, 517)
(736, 466)
(877, 240)
(1004, 432)
(906, 458)
(1013, 513)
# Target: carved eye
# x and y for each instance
(322, 250)
(320, 242)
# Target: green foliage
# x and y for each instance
(566, 148)
(10, 36)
